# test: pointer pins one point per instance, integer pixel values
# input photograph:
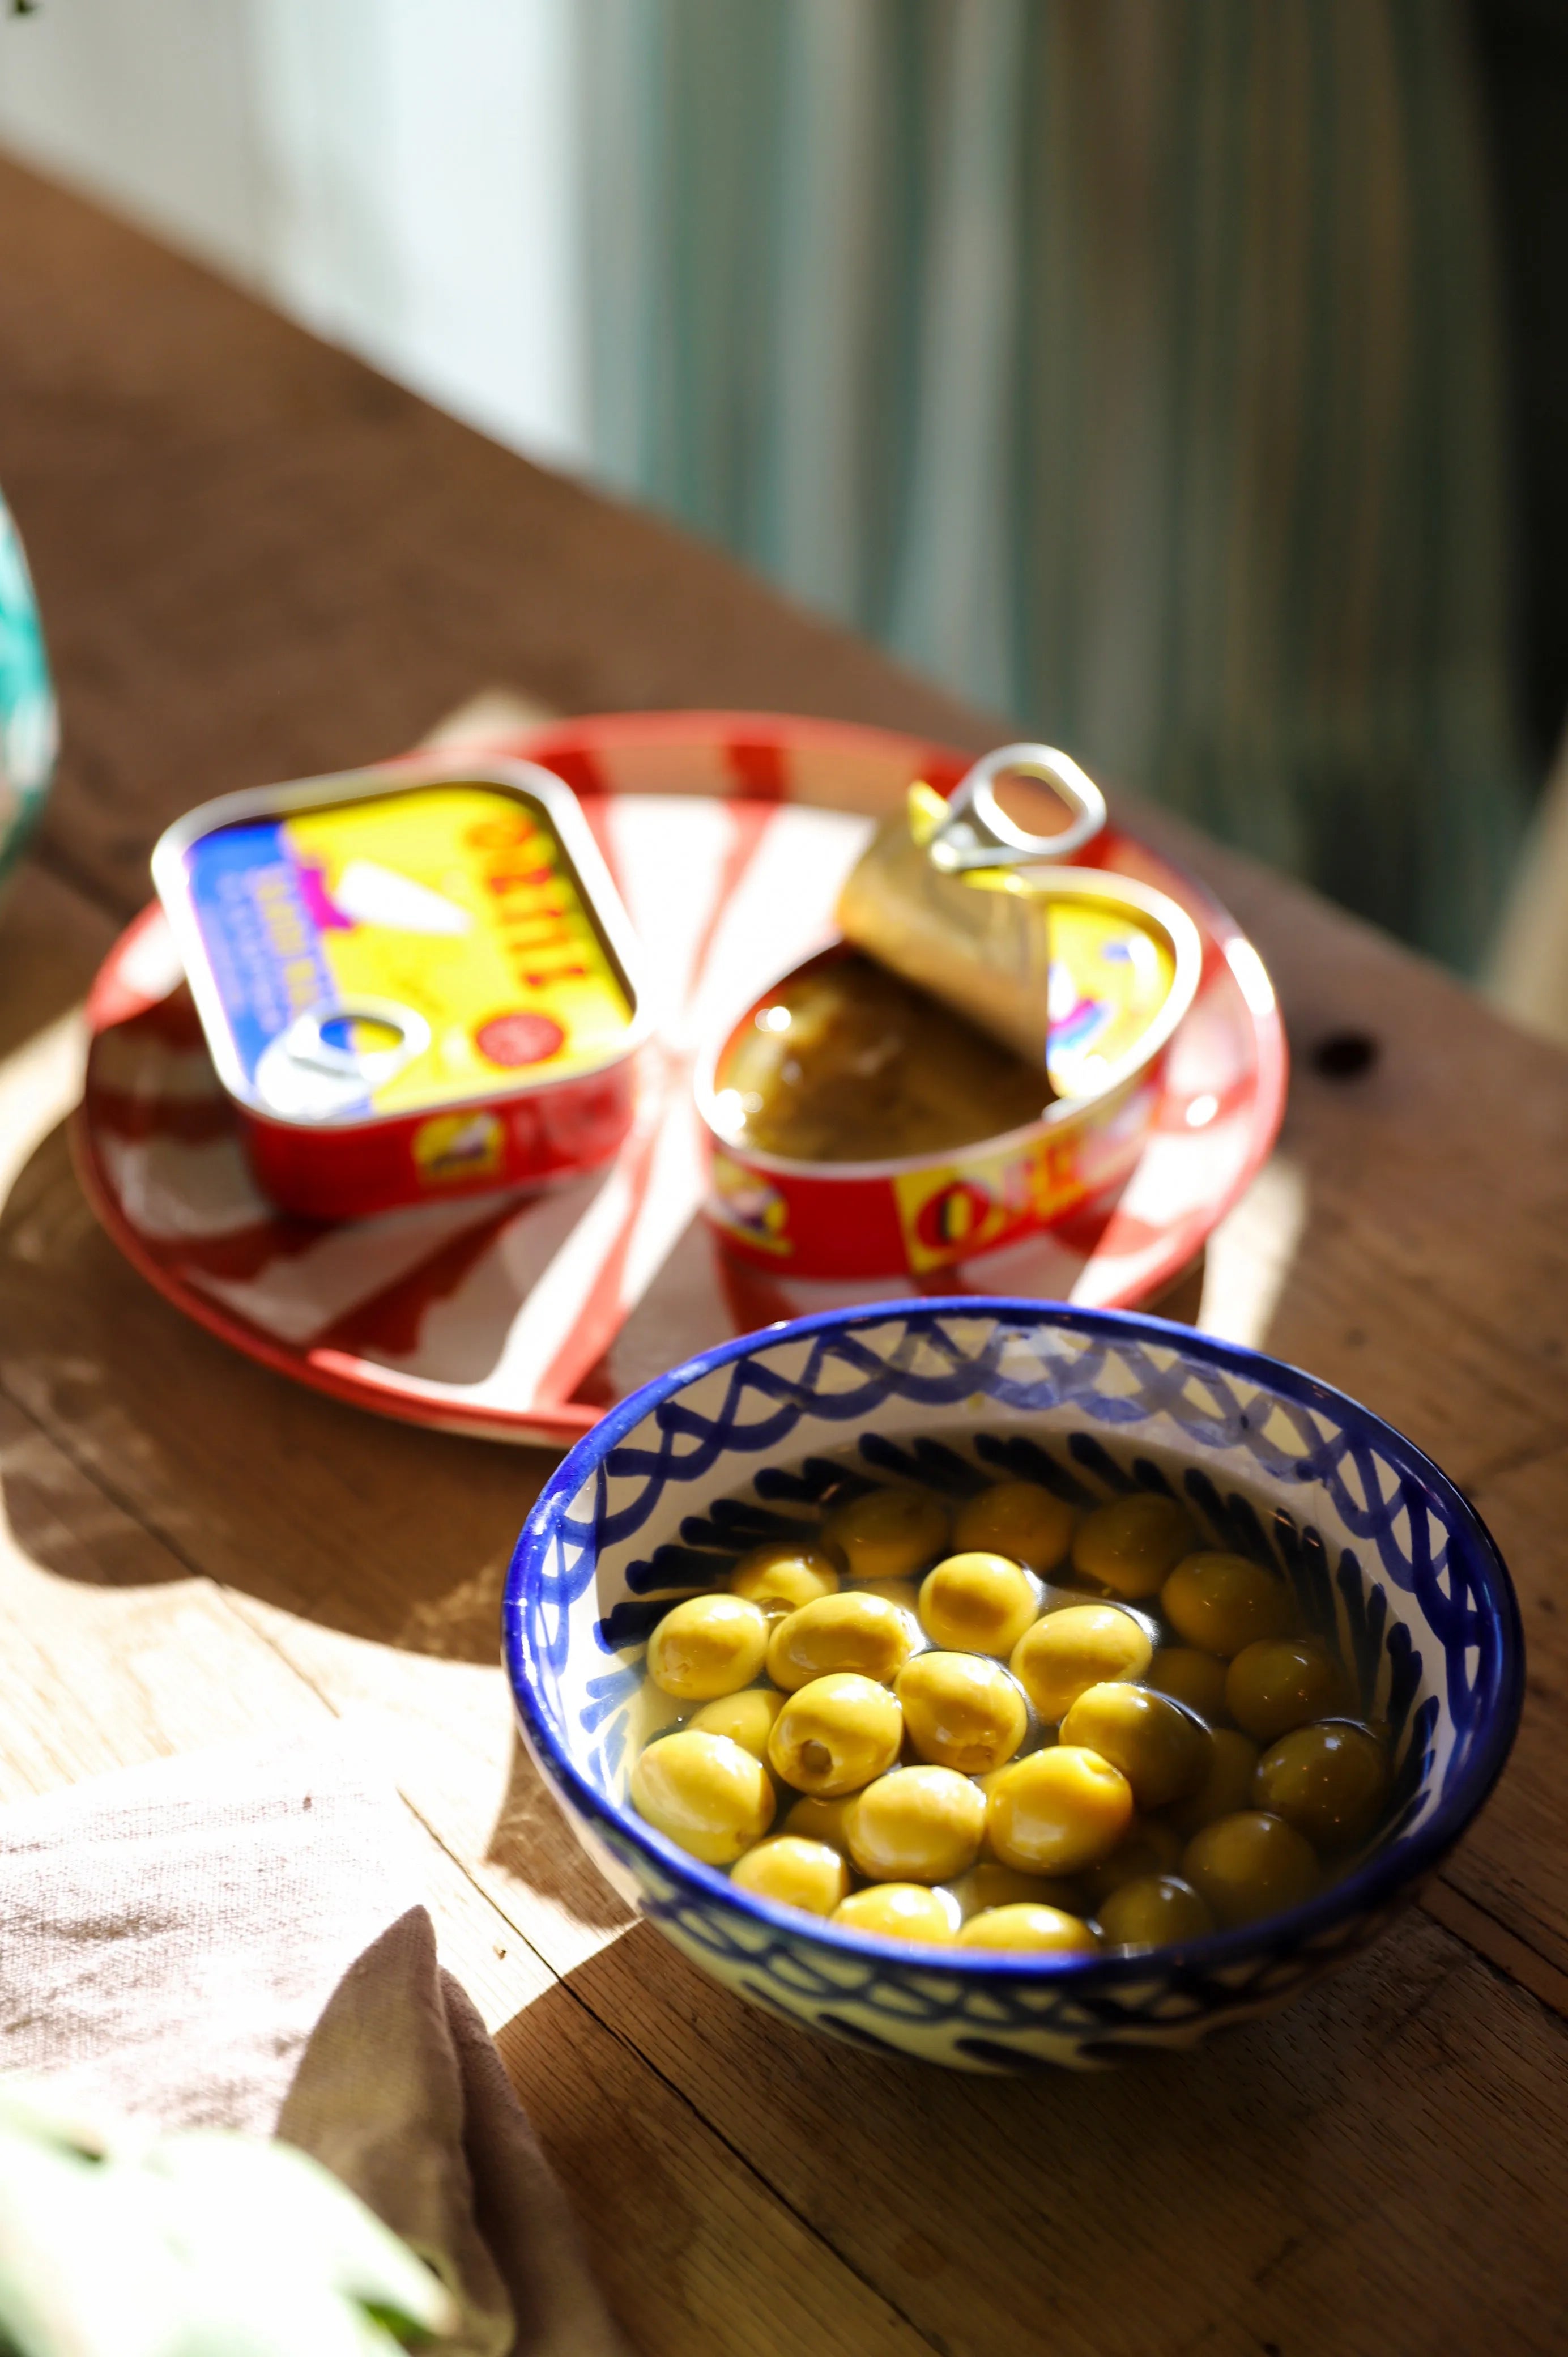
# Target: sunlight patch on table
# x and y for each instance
(1252, 1251)
(40, 1081)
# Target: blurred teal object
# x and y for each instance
(1135, 372)
(29, 731)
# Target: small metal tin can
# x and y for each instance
(1126, 963)
(414, 982)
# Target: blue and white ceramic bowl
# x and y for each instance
(1385, 1555)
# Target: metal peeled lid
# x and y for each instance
(365, 946)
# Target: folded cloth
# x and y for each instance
(403, 2096)
(172, 1933)
(206, 1942)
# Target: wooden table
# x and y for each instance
(257, 560)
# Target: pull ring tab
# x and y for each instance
(304, 1042)
(977, 831)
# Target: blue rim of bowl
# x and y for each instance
(1375, 1885)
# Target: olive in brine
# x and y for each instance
(1056, 1811)
(1221, 1602)
(917, 1824)
(1187, 1675)
(1153, 1911)
(1331, 1782)
(705, 1792)
(1227, 1783)
(1131, 1545)
(835, 1734)
(847, 1631)
(794, 1873)
(986, 1884)
(815, 1820)
(746, 1717)
(1028, 1930)
(961, 1711)
(1284, 1681)
(1161, 1748)
(978, 1604)
(887, 1534)
(1081, 1645)
(783, 1574)
(1249, 1865)
(1018, 1519)
(1150, 1848)
(901, 1911)
(709, 1645)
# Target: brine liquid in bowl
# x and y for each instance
(1016, 1699)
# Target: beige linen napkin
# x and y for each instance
(213, 1938)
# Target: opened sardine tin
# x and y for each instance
(414, 981)
(1083, 975)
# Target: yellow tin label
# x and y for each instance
(413, 949)
(1111, 975)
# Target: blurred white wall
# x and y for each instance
(398, 174)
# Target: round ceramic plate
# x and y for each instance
(523, 1318)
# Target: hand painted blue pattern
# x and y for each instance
(1419, 1600)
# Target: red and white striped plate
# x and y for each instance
(523, 1318)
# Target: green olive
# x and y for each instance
(708, 1645)
(1018, 1519)
(1131, 1545)
(1187, 1675)
(917, 1824)
(703, 1791)
(1036, 1930)
(848, 1631)
(746, 1717)
(794, 1873)
(1152, 1912)
(1284, 1681)
(836, 1734)
(1081, 1645)
(1331, 1782)
(901, 1911)
(1249, 1865)
(1150, 1848)
(1056, 1811)
(887, 1534)
(1221, 1602)
(978, 1604)
(1227, 1783)
(1161, 1748)
(986, 1884)
(961, 1711)
(903, 1593)
(781, 1575)
(811, 1819)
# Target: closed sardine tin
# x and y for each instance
(414, 981)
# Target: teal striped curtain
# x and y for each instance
(1129, 365)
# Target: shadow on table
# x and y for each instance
(1213, 2199)
(381, 1530)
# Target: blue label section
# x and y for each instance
(261, 944)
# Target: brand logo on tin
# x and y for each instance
(456, 1146)
(752, 1206)
(959, 1209)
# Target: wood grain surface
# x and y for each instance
(257, 559)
